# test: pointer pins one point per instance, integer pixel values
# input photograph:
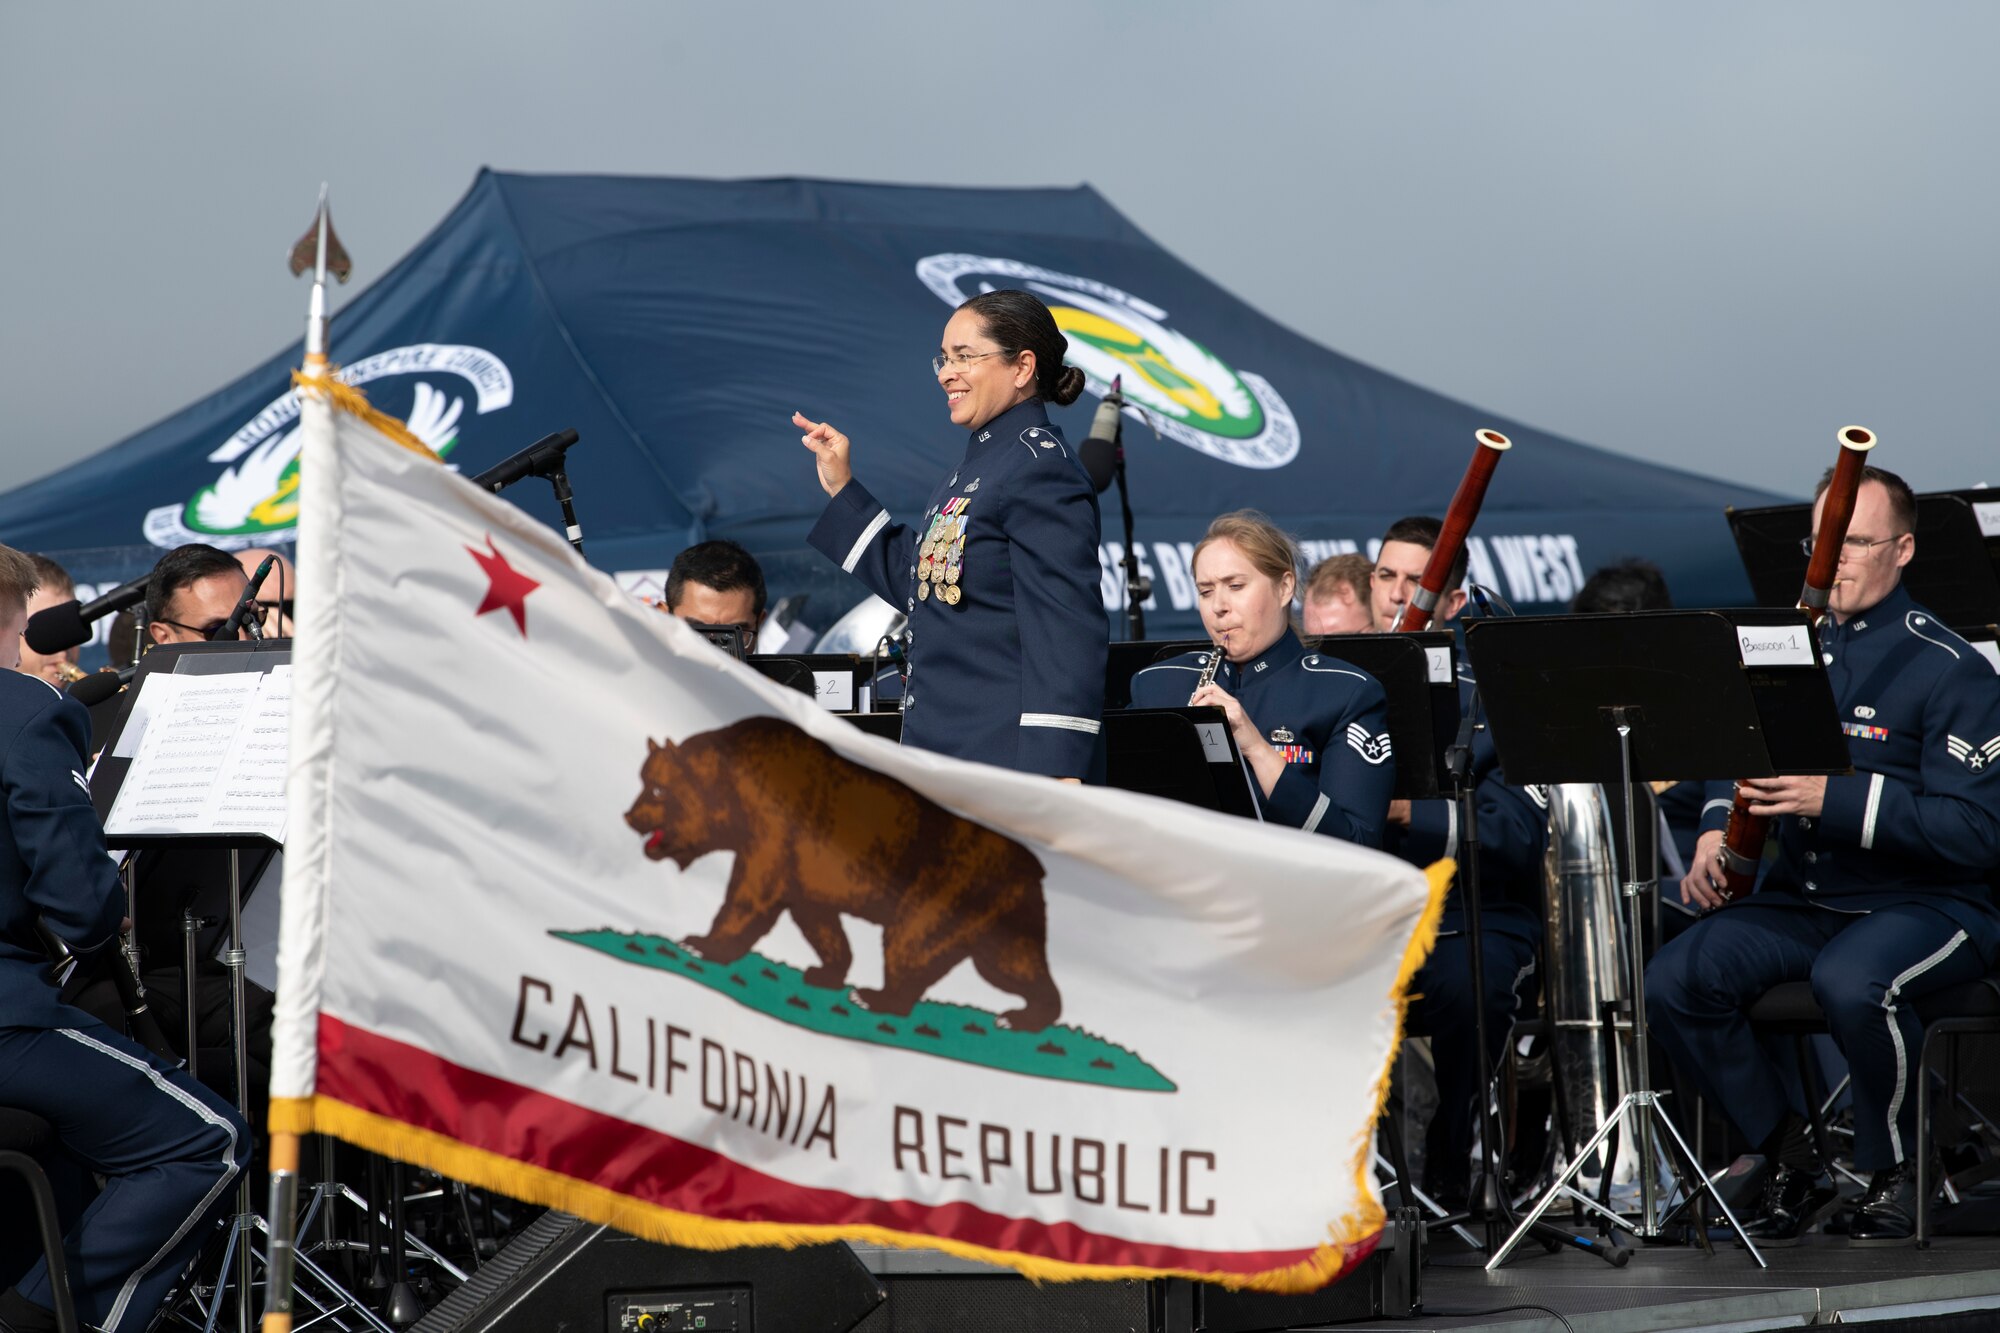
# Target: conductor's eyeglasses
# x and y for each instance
(1853, 547)
(958, 360)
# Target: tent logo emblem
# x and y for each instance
(255, 500)
(1193, 395)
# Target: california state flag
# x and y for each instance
(579, 909)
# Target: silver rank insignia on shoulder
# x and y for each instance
(1038, 436)
(1281, 736)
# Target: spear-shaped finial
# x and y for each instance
(319, 250)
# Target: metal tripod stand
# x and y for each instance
(1639, 1111)
(241, 1253)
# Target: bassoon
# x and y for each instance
(1743, 841)
(1421, 609)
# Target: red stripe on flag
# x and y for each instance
(406, 1083)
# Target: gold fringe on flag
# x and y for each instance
(346, 398)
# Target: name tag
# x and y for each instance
(1440, 664)
(1774, 645)
(835, 690)
(1988, 514)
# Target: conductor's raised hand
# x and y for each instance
(829, 448)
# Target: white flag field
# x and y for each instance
(581, 910)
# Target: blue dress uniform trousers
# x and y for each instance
(1867, 972)
(168, 1147)
(999, 579)
(1879, 900)
(1513, 836)
(1328, 718)
(1441, 1008)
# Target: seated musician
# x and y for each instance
(166, 1147)
(1335, 600)
(718, 583)
(1313, 729)
(1876, 895)
(191, 592)
(1513, 834)
(54, 587)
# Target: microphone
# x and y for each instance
(540, 459)
(227, 629)
(98, 686)
(1099, 453)
(57, 629)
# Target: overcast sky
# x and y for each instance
(1704, 233)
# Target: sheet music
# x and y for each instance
(205, 763)
(249, 790)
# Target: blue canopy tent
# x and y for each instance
(677, 323)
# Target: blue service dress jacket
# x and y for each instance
(1920, 814)
(52, 858)
(1328, 718)
(1513, 837)
(1000, 582)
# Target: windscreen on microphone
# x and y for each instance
(57, 629)
(1100, 460)
(95, 688)
(1099, 452)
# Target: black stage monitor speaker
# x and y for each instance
(565, 1273)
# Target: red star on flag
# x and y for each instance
(508, 587)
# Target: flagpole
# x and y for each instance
(281, 1251)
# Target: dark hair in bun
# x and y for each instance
(1020, 323)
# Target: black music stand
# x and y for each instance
(1623, 699)
(1418, 671)
(834, 680)
(108, 780)
(1955, 573)
(1184, 754)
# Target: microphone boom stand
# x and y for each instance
(1138, 588)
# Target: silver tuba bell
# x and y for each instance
(1588, 968)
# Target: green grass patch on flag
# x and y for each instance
(950, 1031)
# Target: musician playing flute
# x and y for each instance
(1513, 835)
(999, 577)
(1877, 894)
(1313, 729)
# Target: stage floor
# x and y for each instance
(1820, 1281)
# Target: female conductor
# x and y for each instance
(999, 576)
(1314, 730)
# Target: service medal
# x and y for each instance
(923, 591)
(950, 594)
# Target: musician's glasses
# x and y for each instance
(958, 360)
(1854, 548)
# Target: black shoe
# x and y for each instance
(1792, 1201)
(1887, 1213)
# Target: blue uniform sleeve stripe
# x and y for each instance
(875, 525)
